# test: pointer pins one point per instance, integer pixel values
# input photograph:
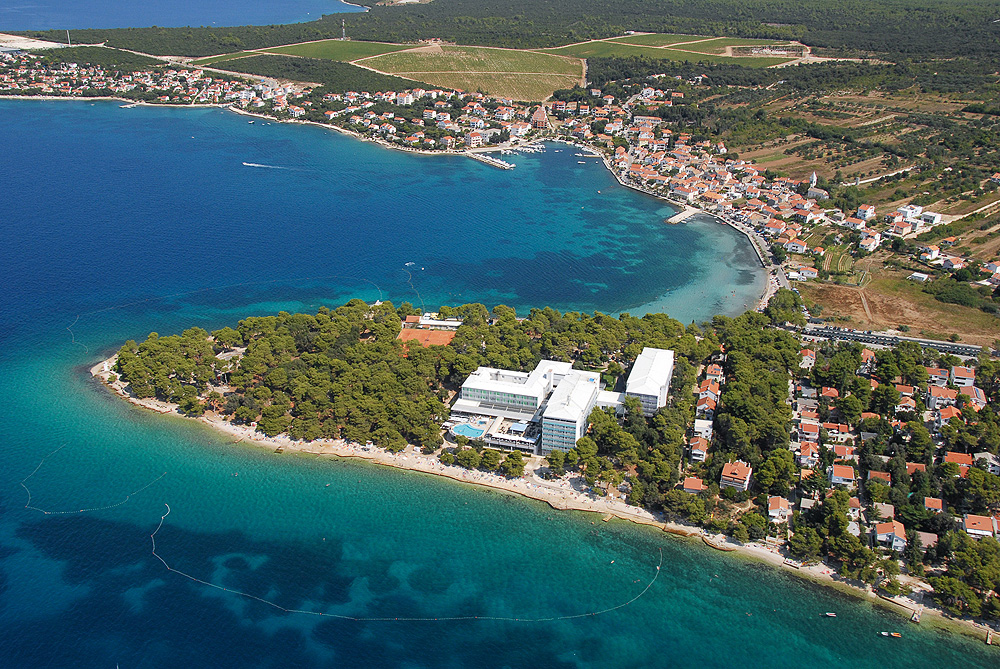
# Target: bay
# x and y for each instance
(117, 222)
(79, 14)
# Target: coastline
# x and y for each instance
(776, 278)
(566, 494)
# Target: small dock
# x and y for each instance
(607, 517)
(683, 215)
(490, 160)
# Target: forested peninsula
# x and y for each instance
(344, 374)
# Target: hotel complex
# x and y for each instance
(649, 379)
(548, 408)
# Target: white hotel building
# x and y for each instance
(555, 397)
(649, 379)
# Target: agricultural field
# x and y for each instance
(521, 75)
(334, 49)
(679, 51)
(655, 39)
(331, 49)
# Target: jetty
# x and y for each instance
(684, 214)
(490, 160)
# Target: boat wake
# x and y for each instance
(269, 167)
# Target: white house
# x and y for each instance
(963, 376)
(842, 475)
(979, 526)
(891, 534)
(777, 509)
(703, 428)
(699, 449)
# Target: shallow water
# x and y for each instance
(122, 221)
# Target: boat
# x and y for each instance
(250, 122)
(830, 615)
(894, 635)
(581, 162)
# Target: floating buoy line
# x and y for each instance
(195, 579)
(49, 512)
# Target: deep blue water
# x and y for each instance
(78, 14)
(117, 222)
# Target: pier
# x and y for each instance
(490, 160)
(682, 215)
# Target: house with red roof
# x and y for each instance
(938, 397)
(885, 477)
(699, 449)
(937, 376)
(693, 485)
(944, 415)
(842, 475)
(736, 475)
(891, 534)
(979, 526)
(935, 504)
(777, 509)
(963, 376)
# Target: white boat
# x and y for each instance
(831, 615)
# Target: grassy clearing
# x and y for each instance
(520, 75)
(333, 49)
(450, 59)
(656, 39)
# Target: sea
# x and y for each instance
(80, 14)
(118, 222)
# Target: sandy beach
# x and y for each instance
(566, 493)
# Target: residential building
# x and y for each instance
(963, 376)
(736, 475)
(777, 509)
(842, 475)
(693, 485)
(891, 534)
(979, 526)
(699, 449)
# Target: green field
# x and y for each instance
(656, 39)
(456, 59)
(520, 75)
(334, 49)
(610, 49)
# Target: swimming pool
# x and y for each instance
(466, 430)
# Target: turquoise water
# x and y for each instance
(467, 430)
(78, 14)
(118, 222)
